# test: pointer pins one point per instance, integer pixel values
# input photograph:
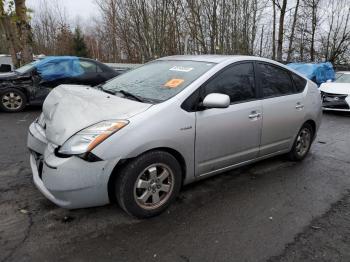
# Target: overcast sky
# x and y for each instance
(74, 8)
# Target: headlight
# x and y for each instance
(88, 138)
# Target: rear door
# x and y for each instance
(283, 108)
(89, 73)
(227, 136)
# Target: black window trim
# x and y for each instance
(199, 91)
(258, 77)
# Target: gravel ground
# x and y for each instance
(326, 239)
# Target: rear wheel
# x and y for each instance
(302, 143)
(12, 100)
(147, 185)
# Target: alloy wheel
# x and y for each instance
(154, 186)
(303, 142)
(11, 101)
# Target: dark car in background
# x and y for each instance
(31, 83)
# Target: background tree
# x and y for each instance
(15, 24)
(142, 30)
(291, 38)
(79, 46)
(24, 31)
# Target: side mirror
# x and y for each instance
(216, 100)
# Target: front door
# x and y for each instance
(49, 76)
(228, 136)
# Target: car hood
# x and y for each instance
(71, 108)
(336, 88)
(8, 75)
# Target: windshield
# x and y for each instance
(344, 78)
(158, 81)
(25, 68)
(338, 74)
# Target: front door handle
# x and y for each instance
(299, 106)
(254, 115)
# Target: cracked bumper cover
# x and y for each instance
(340, 105)
(68, 182)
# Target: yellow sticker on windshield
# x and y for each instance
(173, 83)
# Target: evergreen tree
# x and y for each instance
(79, 44)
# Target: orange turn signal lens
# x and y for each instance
(100, 138)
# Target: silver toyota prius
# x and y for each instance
(140, 137)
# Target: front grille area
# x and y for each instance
(334, 101)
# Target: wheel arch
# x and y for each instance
(123, 162)
(312, 123)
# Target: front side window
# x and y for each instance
(55, 70)
(237, 82)
(274, 81)
(159, 80)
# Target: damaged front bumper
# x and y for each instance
(69, 182)
(335, 102)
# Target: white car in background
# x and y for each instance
(336, 95)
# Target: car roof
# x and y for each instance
(226, 58)
(216, 58)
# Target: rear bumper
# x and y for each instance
(68, 182)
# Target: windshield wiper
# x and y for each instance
(99, 87)
(127, 94)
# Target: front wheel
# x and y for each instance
(302, 143)
(147, 185)
(12, 100)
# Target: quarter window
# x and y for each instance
(237, 82)
(299, 83)
(274, 81)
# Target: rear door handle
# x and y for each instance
(254, 114)
(299, 106)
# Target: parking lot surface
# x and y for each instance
(275, 209)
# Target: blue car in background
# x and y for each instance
(318, 73)
(31, 83)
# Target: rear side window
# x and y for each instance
(88, 67)
(237, 82)
(274, 81)
(299, 83)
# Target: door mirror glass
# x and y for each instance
(216, 100)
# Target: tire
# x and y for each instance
(138, 184)
(12, 100)
(302, 143)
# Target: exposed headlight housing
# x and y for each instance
(41, 120)
(87, 139)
